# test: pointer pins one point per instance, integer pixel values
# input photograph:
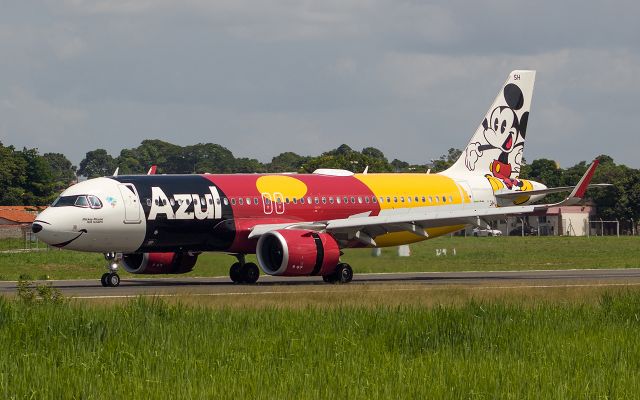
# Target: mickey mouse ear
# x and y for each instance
(513, 96)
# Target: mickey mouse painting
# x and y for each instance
(504, 131)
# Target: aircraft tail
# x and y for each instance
(497, 146)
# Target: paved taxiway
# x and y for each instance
(131, 287)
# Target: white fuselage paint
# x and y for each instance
(95, 230)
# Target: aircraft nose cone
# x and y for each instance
(35, 228)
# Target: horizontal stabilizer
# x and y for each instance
(577, 194)
(510, 194)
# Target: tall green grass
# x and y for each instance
(149, 349)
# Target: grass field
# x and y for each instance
(478, 350)
(488, 253)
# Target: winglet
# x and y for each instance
(152, 170)
(578, 192)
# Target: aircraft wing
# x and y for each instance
(365, 228)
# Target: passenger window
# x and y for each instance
(416, 199)
(430, 199)
(330, 200)
(388, 199)
(444, 199)
(424, 200)
(233, 201)
(338, 199)
(286, 200)
(374, 199)
(408, 199)
(366, 199)
(226, 201)
(346, 200)
(301, 200)
(402, 199)
(309, 200)
(353, 200)
(248, 201)
(395, 199)
(149, 202)
(172, 202)
(324, 200)
(359, 199)
(316, 200)
(451, 199)
(295, 201)
(240, 201)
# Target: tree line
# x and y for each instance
(29, 178)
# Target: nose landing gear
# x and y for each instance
(111, 278)
(241, 272)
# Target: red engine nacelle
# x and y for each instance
(297, 252)
(159, 263)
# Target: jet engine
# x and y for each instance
(296, 252)
(159, 263)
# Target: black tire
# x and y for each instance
(331, 278)
(113, 279)
(235, 273)
(344, 273)
(250, 273)
(103, 279)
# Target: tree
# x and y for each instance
(446, 160)
(63, 173)
(97, 163)
(287, 162)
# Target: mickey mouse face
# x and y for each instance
(501, 129)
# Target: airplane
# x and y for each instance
(298, 224)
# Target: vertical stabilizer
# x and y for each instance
(497, 146)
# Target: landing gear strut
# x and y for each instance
(111, 278)
(342, 274)
(242, 272)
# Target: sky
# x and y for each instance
(411, 78)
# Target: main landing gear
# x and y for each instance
(342, 274)
(111, 278)
(242, 272)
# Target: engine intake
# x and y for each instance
(297, 252)
(159, 263)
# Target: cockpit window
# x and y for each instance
(64, 201)
(94, 202)
(82, 201)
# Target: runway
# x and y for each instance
(222, 286)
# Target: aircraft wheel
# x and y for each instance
(251, 273)
(103, 279)
(235, 273)
(344, 273)
(113, 279)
